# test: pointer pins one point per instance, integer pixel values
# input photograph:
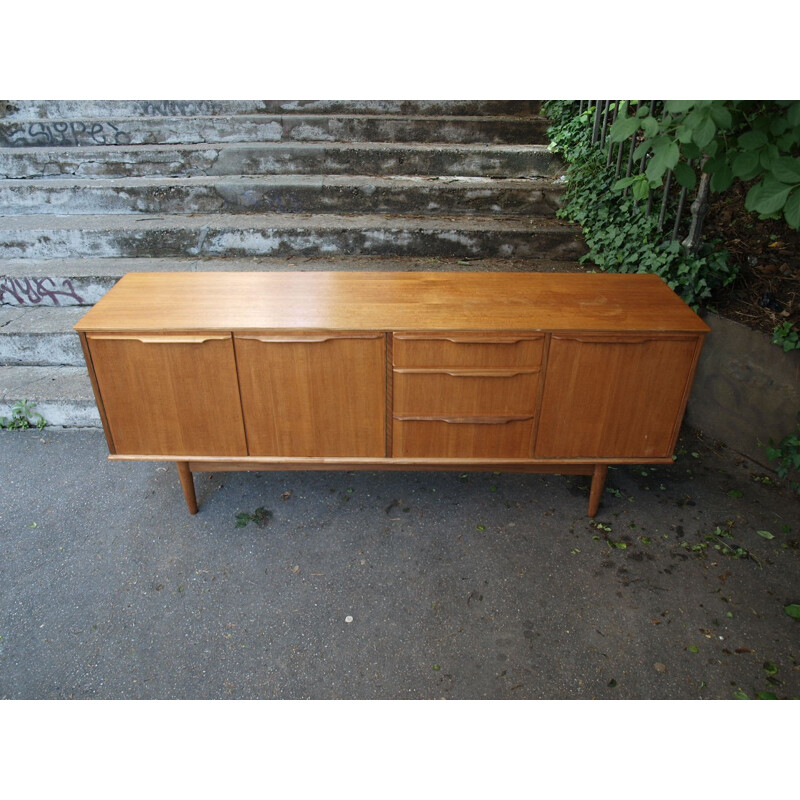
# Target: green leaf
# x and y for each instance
(766, 696)
(786, 169)
(704, 132)
(752, 140)
(770, 668)
(642, 149)
(735, 493)
(765, 534)
(721, 116)
(624, 183)
(691, 150)
(740, 695)
(665, 157)
(768, 156)
(679, 106)
(641, 189)
(692, 648)
(768, 196)
(793, 610)
(685, 175)
(650, 126)
(791, 210)
(722, 178)
(745, 165)
(623, 128)
(793, 114)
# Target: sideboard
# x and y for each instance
(534, 372)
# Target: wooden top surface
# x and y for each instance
(390, 301)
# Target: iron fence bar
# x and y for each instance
(596, 128)
(610, 143)
(619, 158)
(604, 129)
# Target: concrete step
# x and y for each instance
(62, 395)
(278, 158)
(94, 109)
(115, 131)
(283, 193)
(82, 281)
(40, 336)
(237, 235)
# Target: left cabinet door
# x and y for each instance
(171, 394)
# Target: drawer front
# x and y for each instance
(462, 438)
(465, 392)
(437, 350)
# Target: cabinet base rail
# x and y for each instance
(191, 464)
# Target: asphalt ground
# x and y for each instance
(418, 585)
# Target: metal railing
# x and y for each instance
(673, 213)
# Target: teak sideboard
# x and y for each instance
(534, 372)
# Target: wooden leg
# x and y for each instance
(187, 484)
(598, 484)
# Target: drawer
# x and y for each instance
(467, 350)
(462, 438)
(465, 392)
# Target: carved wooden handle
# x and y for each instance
(163, 339)
(606, 339)
(462, 420)
(467, 372)
(282, 339)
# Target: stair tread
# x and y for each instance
(116, 267)
(89, 222)
(287, 179)
(92, 109)
(281, 145)
(271, 115)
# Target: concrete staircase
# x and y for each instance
(92, 190)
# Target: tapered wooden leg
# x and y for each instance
(598, 484)
(187, 484)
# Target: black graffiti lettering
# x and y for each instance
(77, 128)
(120, 137)
(61, 128)
(96, 132)
(34, 291)
(44, 130)
(76, 132)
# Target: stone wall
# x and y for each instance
(747, 390)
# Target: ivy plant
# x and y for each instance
(787, 337)
(620, 235)
(787, 455)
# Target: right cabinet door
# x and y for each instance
(614, 397)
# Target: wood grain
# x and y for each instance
(169, 397)
(322, 396)
(490, 437)
(609, 398)
(399, 301)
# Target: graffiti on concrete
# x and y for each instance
(35, 291)
(65, 134)
(176, 108)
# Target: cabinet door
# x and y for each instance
(313, 395)
(169, 394)
(614, 397)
